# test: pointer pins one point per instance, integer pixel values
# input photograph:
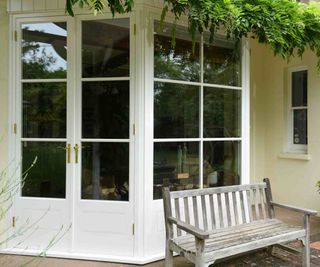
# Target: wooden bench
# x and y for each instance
(205, 225)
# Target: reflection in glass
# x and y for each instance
(105, 109)
(221, 163)
(222, 62)
(176, 165)
(105, 48)
(180, 62)
(300, 126)
(44, 110)
(176, 110)
(47, 178)
(105, 171)
(299, 88)
(44, 50)
(221, 112)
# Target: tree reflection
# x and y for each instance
(43, 56)
(44, 51)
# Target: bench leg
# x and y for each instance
(169, 257)
(306, 252)
(199, 254)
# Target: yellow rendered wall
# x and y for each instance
(292, 180)
(4, 62)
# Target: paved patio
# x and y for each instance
(257, 259)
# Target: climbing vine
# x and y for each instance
(287, 26)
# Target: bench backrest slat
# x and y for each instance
(186, 209)
(220, 207)
(177, 212)
(195, 211)
(204, 212)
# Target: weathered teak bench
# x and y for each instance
(205, 225)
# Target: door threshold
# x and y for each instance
(87, 256)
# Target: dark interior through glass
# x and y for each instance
(106, 48)
(105, 171)
(47, 178)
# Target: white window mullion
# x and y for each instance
(201, 116)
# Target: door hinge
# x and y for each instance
(13, 221)
(133, 229)
(15, 128)
(15, 36)
(134, 29)
(134, 129)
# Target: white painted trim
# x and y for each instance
(138, 38)
(201, 120)
(105, 79)
(11, 114)
(107, 140)
(245, 131)
(44, 80)
(197, 84)
(156, 140)
(296, 156)
(26, 139)
(87, 256)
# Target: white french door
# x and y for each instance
(103, 207)
(74, 115)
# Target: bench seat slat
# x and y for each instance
(236, 230)
(230, 239)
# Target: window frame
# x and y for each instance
(243, 87)
(295, 148)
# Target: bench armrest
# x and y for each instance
(189, 228)
(293, 208)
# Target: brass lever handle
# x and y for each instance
(68, 148)
(76, 150)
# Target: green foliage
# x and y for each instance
(287, 26)
(115, 6)
(318, 186)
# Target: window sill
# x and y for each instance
(292, 155)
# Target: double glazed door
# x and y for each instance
(75, 101)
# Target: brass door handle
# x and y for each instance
(76, 150)
(68, 148)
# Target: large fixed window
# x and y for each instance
(298, 110)
(197, 111)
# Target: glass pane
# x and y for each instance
(300, 133)
(299, 88)
(176, 110)
(44, 110)
(105, 171)
(221, 163)
(44, 50)
(47, 178)
(221, 112)
(180, 62)
(105, 109)
(175, 165)
(105, 48)
(222, 62)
